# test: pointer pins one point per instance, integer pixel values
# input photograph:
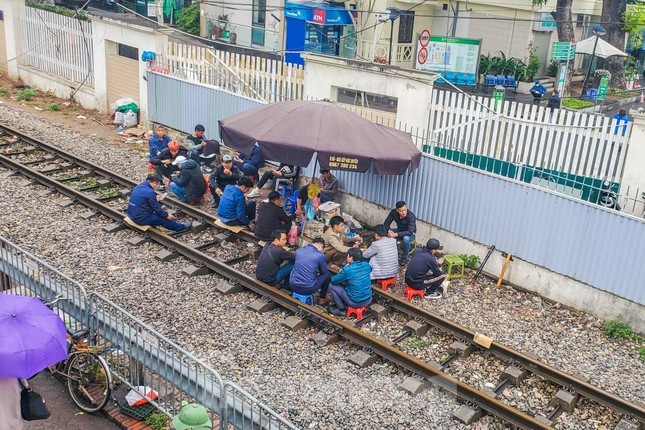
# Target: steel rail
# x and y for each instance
(529, 363)
(550, 373)
(125, 182)
(452, 385)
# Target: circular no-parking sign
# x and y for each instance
(422, 56)
(424, 38)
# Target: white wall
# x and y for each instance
(241, 22)
(104, 31)
(324, 73)
(12, 10)
(107, 30)
(633, 173)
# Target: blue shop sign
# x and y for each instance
(318, 13)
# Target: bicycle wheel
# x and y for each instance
(89, 381)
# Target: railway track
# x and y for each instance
(102, 191)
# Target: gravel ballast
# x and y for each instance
(313, 386)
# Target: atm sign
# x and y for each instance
(319, 16)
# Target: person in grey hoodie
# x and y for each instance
(383, 255)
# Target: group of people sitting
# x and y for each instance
(306, 271)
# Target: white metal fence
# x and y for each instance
(260, 78)
(145, 357)
(526, 134)
(58, 44)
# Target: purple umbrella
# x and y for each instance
(292, 132)
(32, 337)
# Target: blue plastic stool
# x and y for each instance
(285, 187)
(290, 204)
(307, 299)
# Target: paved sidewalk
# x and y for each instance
(64, 413)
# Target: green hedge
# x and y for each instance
(576, 103)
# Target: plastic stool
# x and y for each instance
(285, 187)
(454, 261)
(307, 299)
(384, 283)
(356, 311)
(411, 292)
(290, 204)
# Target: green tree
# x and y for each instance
(613, 11)
(634, 23)
(188, 19)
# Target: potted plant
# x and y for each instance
(599, 74)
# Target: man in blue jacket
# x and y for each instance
(310, 272)
(233, 208)
(144, 207)
(351, 287)
(158, 142)
(537, 91)
(249, 164)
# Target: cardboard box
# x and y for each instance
(328, 210)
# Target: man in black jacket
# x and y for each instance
(406, 227)
(424, 271)
(271, 216)
(190, 185)
(284, 171)
(270, 269)
(223, 175)
(163, 161)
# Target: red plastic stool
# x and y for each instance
(411, 292)
(384, 283)
(356, 311)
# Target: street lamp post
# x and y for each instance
(598, 31)
(395, 12)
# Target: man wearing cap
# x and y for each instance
(424, 271)
(144, 207)
(233, 209)
(190, 185)
(223, 175)
(163, 161)
(250, 164)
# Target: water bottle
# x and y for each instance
(293, 234)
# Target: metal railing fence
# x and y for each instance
(145, 357)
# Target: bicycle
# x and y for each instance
(88, 376)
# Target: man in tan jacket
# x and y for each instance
(335, 241)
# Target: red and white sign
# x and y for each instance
(422, 56)
(424, 38)
(319, 16)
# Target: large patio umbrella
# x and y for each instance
(32, 337)
(292, 132)
(603, 49)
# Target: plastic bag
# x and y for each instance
(123, 102)
(310, 213)
(129, 119)
(135, 399)
(351, 221)
(118, 118)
